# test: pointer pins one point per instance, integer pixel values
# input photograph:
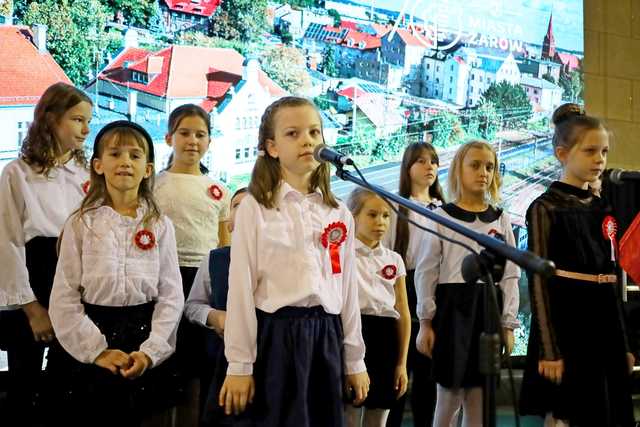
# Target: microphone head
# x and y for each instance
(316, 153)
(616, 176)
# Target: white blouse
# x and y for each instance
(196, 205)
(278, 260)
(378, 270)
(439, 262)
(101, 264)
(415, 234)
(31, 205)
(197, 306)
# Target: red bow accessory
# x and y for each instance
(85, 186)
(215, 192)
(389, 271)
(630, 250)
(332, 237)
(609, 230)
(145, 240)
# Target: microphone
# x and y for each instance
(323, 153)
(617, 176)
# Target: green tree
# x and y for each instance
(75, 34)
(337, 19)
(286, 36)
(482, 122)
(548, 77)
(136, 12)
(6, 7)
(156, 21)
(329, 62)
(390, 147)
(246, 16)
(513, 100)
(362, 139)
(445, 129)
(199, 39)
(572, 85)
(287, 66)
(220, 25)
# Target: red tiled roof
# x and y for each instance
(569, 60)
(370, 42)
(413, 38)
(198, 7)
(349, 92)
(381, 29)
(186, 72)
(25, 73)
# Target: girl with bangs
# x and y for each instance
(117, 294)
(451, 312)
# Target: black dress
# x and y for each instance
(577, 321)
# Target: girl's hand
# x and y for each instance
(215, 320)
(551, 370)
(401, 380)
(237, 391)
(113, 360)
(140, 362)
(509, 341)
(39, 322)
(631, 361)
(359, 383)
(426, 338)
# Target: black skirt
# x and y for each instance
(81, 390)
(41, 259)
(380, 336)
(458, 324)
(190, 351)
(596, 386)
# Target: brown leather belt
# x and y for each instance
(597, 278)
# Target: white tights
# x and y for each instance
(364, 417)
(448, 405)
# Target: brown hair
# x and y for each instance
(180, 113)
(571, 124)
(98, 195)
(267, 174)
(455, 171)
(411, 155)
(40, 147)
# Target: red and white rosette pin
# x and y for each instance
(332, 237)
(145, 240)
(609, 230)
(85, 186)
(215, 192)
(389, 271)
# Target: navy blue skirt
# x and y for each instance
(87, 393)
(298, 371)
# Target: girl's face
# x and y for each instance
(190, 141)
(73, 127)
(235, 202)
(586, 160)
(124, 165)
(478, 169)
(424, 171)
(372, 221)
(297, 131)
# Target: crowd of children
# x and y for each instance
(300, 310)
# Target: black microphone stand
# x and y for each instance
(484, 265)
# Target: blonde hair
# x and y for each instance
(357, 198)
(98, 195)
(455, 172)
(267, 173)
